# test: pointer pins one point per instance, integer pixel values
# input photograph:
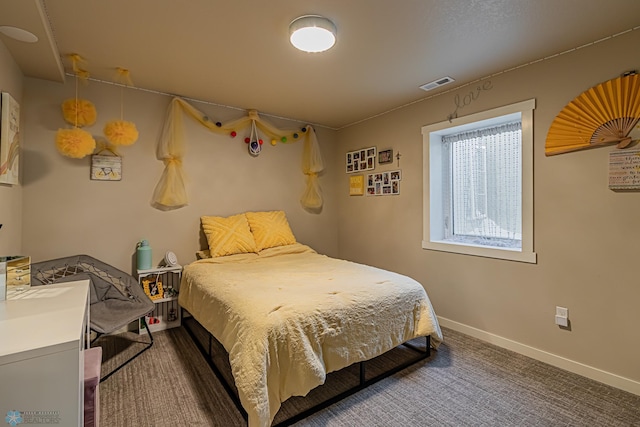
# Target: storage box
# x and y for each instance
(15, 275)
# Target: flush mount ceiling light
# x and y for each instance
(312, 33)
(18, 34)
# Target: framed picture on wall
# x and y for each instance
(356, 185)
(106, 168)
(385, 156)
(9, 139)
(361, 160)
(153, 288)
(383, 183)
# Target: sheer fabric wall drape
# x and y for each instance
(170, 192)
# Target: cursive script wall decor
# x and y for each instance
(462, 102)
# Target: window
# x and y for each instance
(478, 193)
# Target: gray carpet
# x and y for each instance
(465, 383)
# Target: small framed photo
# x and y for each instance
(361, 160)
(153, 288)
(385, 156)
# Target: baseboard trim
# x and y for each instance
(596, 374)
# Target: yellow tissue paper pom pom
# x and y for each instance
(79, 112)
(75, 143)
(119, 132)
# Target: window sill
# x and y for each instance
(505, 254)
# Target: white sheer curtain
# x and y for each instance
(484, 186)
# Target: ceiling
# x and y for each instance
(237, 53)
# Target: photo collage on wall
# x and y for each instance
(384, 183)
(361, 160)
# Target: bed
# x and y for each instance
(287, 316)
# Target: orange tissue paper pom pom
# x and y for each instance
(79, 112)
(75, 143)
(119, 132)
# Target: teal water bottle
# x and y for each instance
(143, 255)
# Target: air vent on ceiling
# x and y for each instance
(436, 83)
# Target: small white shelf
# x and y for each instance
(168, 299)
(156, 270)
(167, 312)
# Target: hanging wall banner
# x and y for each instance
(106, 168)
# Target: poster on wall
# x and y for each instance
(356, 185)
(9, 140)
(624, 170)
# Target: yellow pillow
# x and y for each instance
(270, 229)
(228, 236)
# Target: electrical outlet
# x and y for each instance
(562, 316)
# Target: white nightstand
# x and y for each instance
(167, 313)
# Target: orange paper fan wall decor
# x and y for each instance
(603, 115)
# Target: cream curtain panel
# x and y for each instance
(170, 192)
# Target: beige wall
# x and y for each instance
(586, 236)
(10, 196)
(66, 213)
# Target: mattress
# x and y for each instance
(288, 316)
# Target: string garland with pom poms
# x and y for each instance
(76, 143)
(121, 132)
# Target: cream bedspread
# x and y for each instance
(289, 316)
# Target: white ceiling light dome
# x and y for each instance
(312, 33)
(18, 34)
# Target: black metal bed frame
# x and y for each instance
(363, 382)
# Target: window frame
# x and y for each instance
(432, 190)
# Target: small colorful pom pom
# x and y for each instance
(274, 142)
(247, 140)
(283, 139)
(260, 141)
(218, 124)
(233, 134)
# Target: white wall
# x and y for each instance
(66, 213)
(11, 81)
(585, 235)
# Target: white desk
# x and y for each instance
(42, 335)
